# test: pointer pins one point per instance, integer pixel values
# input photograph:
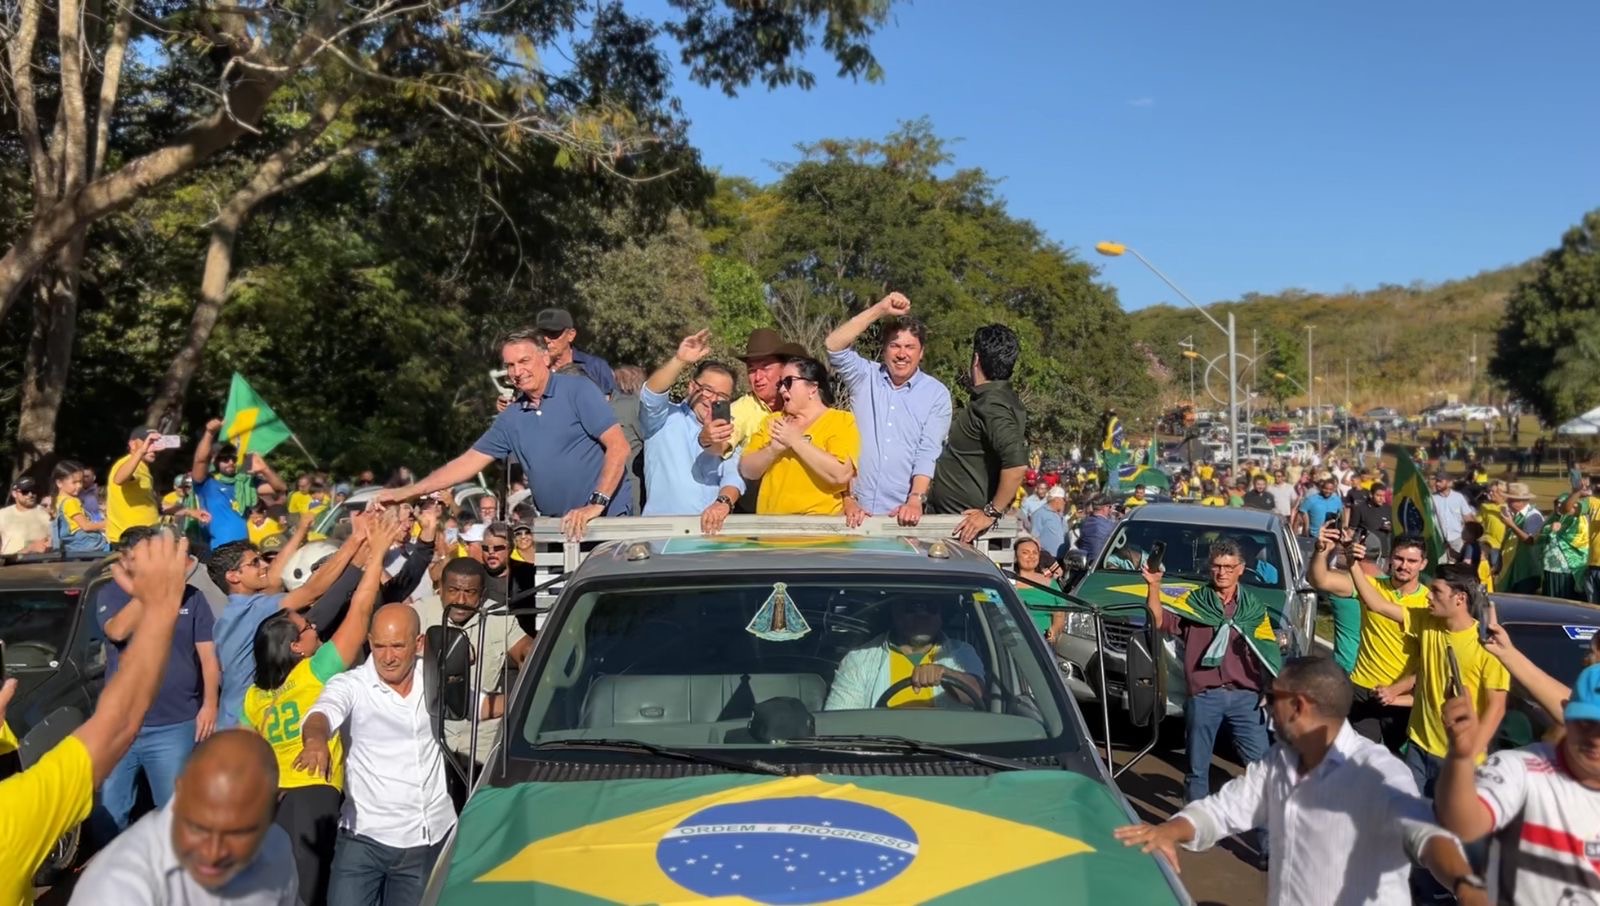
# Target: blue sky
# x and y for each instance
(1241, 146)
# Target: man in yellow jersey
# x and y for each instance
(1590, 507)
(41, 803)
(1492, 516)
(214, 843)
(131, 492)
(915, 659)
(1382, 657)
(292, 667)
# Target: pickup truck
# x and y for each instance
(721, 718)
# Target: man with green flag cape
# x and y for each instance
(1230, 654)
(249, 430)
(1521, 566)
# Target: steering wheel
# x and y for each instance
(948, 683)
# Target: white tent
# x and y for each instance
(1587, 423)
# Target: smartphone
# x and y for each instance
(1361, 535)
(1152, 560)
(502, 383)
(1453, 686)
(1331, 518)
(167, 442)
(722, 411)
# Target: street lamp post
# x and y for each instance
(1311, 390)
(1117, 249)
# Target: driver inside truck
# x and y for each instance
(915, 661)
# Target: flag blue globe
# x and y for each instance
(798, 849)
(1411, 518)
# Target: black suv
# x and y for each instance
(54, 649)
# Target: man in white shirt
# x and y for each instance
(213, 843)
(1342, 812)
(1451, 510)
(1283, 495)
(25, 525)
(397, 810)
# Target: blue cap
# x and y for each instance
(1585, 701)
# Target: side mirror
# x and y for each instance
(1147, 692)
(1074, 565)
(446, 658)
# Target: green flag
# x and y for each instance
(1412, 510)
(249, 423)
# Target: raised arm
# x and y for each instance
(287, 552)
(1152, 594)
(322, 579)
(130, 463)
(258, 466)
(352, 632)
(446, 476)
(841, 337)
(1371, 598)
(1550, 693)
(200, 469)
(1324, 577)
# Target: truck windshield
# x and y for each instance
(1189, 547)
(36, 626)
(749, 663)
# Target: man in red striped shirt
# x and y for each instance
(1541, 803)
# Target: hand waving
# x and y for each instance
(694, 347)
(154, 571)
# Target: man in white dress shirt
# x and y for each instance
(213, 843)
(397, 810)
(1342, 812)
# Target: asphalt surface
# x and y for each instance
(1225, 875)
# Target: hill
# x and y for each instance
(1406, 346)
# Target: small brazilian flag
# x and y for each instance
(249, 423)
(1412, 509)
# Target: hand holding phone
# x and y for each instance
(1152, 560)
(1453, 687)
(722, 411)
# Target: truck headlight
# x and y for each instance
(1080, 625)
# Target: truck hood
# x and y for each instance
(1025, 836)
(1126, 589)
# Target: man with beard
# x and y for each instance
(902, 412)
(1380, 712)
(916, 649)
(1316, 508)
(227, 494)
(214, 843)
(986, 454)
(1346, 809)
(25, 525)
(463, 598)
(397, 810)
(131, 491)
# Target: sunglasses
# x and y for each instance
(788, 382)
(522, 530)
(497, 549)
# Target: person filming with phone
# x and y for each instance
(685, 478)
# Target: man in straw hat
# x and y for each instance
(764, 354)
(1520, 569)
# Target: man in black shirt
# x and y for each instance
(985, 455)
(1257, 497)
(1365, 512)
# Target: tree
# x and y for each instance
(1548, 350)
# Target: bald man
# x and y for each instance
(397, 810)
(213, 843)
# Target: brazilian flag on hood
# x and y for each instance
(1026, 836)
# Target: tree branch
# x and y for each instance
(72, 126)
(20, 52)
(110, 83)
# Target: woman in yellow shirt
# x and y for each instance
(292, 666)
(805, 455)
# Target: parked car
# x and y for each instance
(686, 729)
(1480, 414)
(1556, 635)
(1277, 571)
(56, 653)
(1382, 412)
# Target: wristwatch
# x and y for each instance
(991, 512)
(725, 500)
(600, 500)
(921, 499)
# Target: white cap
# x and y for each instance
(473, 533)
(1057, 491)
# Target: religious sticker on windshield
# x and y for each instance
(778, 619)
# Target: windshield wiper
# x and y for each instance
(900, 744)
(753, 766)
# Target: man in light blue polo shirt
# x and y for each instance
(562, 431)
(903, 414)
(684, 478)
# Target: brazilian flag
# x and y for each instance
(1115, 439)
(249, 423)
(1021, 837)
(1412, 510)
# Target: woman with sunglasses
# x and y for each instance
(292, 666)
(804, 455)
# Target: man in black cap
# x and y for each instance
(559, 334)
(24, 525)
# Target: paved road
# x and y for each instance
(1227, 874)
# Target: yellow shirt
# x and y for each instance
(303, 502)
(1204, 471)
(266, 529)
(72, 508)
(900, 667)
(1591, 508)
(172, 499)
(1213, 500)
(130, 503)
(1492, 516)
(749, 414)
(1383, 655)
(788, 488)
(1132, 502)
(1480, 673)
(37, 806)
(276, 716)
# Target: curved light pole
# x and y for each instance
(1117, 249)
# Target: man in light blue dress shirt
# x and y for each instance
(903, 414)
(684, 478)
